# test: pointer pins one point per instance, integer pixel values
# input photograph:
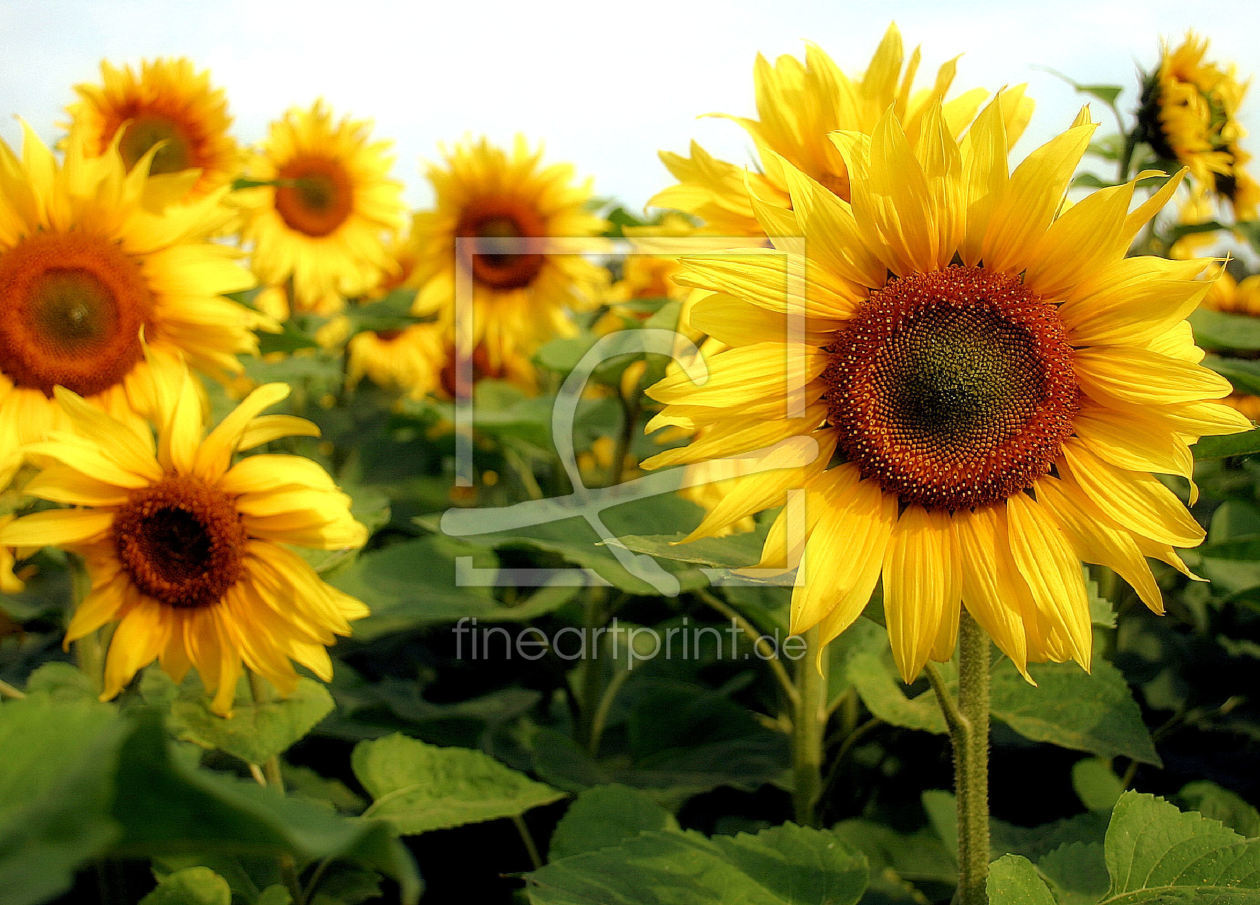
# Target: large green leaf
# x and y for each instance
(55, 792)
(420, 787)
(1068, 707)
(607, 815)
(1014, 881)
(1219, 330)
(256, 732)
(168, 808)
(1157, 854)
(786, 865)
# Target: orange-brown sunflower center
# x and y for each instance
(953, 389)
(503, 268)
(147, 130)
(71, 308)
(315, 195)
(181, 541)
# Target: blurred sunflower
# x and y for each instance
(324, 223)
(1189, 114)
(168, 104)
(989, 382)
(186, 550)
(88, 263)
(409, 360)
(798, 105)
(1234, 297)
(519, 300)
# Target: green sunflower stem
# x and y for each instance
(809, 720)
(275, 780)
(968, 722)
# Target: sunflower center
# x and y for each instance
(71, 309)
(181, 541)
(315, 195)
(953, 389)
(143, 132)
(503, 219)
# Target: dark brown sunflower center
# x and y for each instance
(315, 195)
(496, 267)
(953, 389)
(144, 132)
(71, 309)
(181, 541)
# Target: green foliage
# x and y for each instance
(785, 865)
(191, 886)
(1092, 712)
(419, 787)
(604, 816)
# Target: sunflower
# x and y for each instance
(324, 222)
(1189, 114)
(798, 105)
(987, 382)
(168, 105)
(89, 262)
(186, 549)
(518, 300)
(410, 360)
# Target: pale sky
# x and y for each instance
(603, 85)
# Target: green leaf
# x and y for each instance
(54, 792)
(786, 865)
(1076, 871)
(1212, 801)
(607, 815)
(1096, 785)
(191, 886)
(1219, 330)
(416, 583)
(917, 857)
(255, 732)
(61, 681)
(420, 787)
(1014, 881)
(1092, 712)
(1243, 374)
(233, 817)
(1157, 854)
(1245, 444)
(735, 551)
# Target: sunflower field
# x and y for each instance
(871, 520)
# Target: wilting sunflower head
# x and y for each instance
(520, 296)
(167, 105)
(798, 105)
(187, 546)
(91, 265)
(971, 384)
(1189, 114)
(324, 219)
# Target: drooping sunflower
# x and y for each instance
(324, 222)
(798, 105)
(187, 550)
(519, 300)
(168, 102)
(1189, 114)
(90, 262)
(988, 383)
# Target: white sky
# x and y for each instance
(604, 85)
